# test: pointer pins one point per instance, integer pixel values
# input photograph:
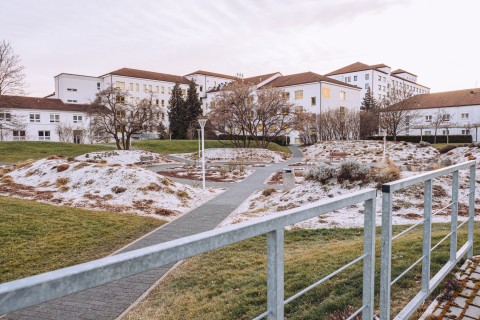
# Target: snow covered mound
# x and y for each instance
(461, 154)
(124, 157)
(367, 151)
(245, 154)
(102, 186)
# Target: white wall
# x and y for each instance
(76, 88)
(32, 128)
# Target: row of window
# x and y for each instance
(355, 78)
(55, 117)
(325, 94)
(146, 88)
(445, 132)
(446, 117)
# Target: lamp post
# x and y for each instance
(202, 121)
(199, 132)
(384, 144)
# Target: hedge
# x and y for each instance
(278, 140)
(454, 138)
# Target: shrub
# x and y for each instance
(81, 165)
(61, 182)
(182, 194)
(117, 189)
(63, 167)
(353, 171)
(70, 159)
(388, 172)
(164, 212)
(455, 138)
(322, 173)
(423, 144)
(447, 148)
(446, 162)
(476, 144)
(25, 163)
(268, 192)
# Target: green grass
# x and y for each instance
(184, 146)
(12, 152)
(36, 237)
(230, 283)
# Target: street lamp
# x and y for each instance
(384, 144)
(199, 132)
(202, 122)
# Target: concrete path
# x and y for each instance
(110, 300)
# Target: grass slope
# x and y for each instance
(186, 146)
(15, 151)
(37, 237)
(230, 283)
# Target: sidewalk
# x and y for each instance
(110, 300)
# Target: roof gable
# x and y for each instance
(34, 103)
(466, 97)
(142, 74)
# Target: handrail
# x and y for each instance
(25, 292)
(428, 284)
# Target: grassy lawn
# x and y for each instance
(439, 146)
(230, 283)
(184, 146)
(38, 237)
(22, 150)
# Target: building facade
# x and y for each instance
(43, 119)
(379, 78)
(448, 113)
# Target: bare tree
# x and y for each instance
(64, 132)
(12, 76)
(396, 113)
(437, 120)
(114, 114)
(305, 124)
(340, 124)
(10, 122)
(245, 115)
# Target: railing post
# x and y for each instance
(454, 222)
(386, 263)
(427, 234)
(369, 261)
(275, 262)
(471, 210)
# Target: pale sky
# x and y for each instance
(438, 40)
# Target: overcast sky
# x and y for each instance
(438, 40)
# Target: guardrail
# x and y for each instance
(428, 284)
(29, 291)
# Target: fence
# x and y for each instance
(428, 284)
(25, 292)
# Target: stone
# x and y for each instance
(473, 312)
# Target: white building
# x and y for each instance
(458, 110)
(379, 78)
(308, 91)
(39, 119)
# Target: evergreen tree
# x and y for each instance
(176, 114)
(369, 103)
(193, 106)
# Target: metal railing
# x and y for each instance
(428, 283)
(29, 291)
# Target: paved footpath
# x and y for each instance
(110, 300)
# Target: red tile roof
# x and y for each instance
(253, 81)
(357, 66)
(304, 77)
(402, 71)
(213, 74)
(142, 74)
(446, 99)
(20, 102)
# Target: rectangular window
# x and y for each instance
(445, 132)
(367, 85)
(157, 89)
(367, 76)
(298, 109)
(54, 117)
(466, 131)
(379, 78)
(150, 88)
(184, 92)
(144, 88)
(18, 135)
(428, 118)
(446, 117)
(342, 95)
(131, 86)
(355, 78)
(98, 85)
(313, 101)
(120, 85)
(326, 92)
(72, 101)
(157, 102)
(43, 135)
(163, 89)
(286, 95)
(342, 112)
(120, 99)
(379, 87)
(201, 89)
(71, 89)
(137, 87)
(384, 79)
(132, 100)
(34, 117)
(5, 116)
(163, 103)
(77, 118)
(298, 94)
(428, 133)
(464, 116)
(348, 79)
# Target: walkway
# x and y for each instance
(110, 300)
(462, 298)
